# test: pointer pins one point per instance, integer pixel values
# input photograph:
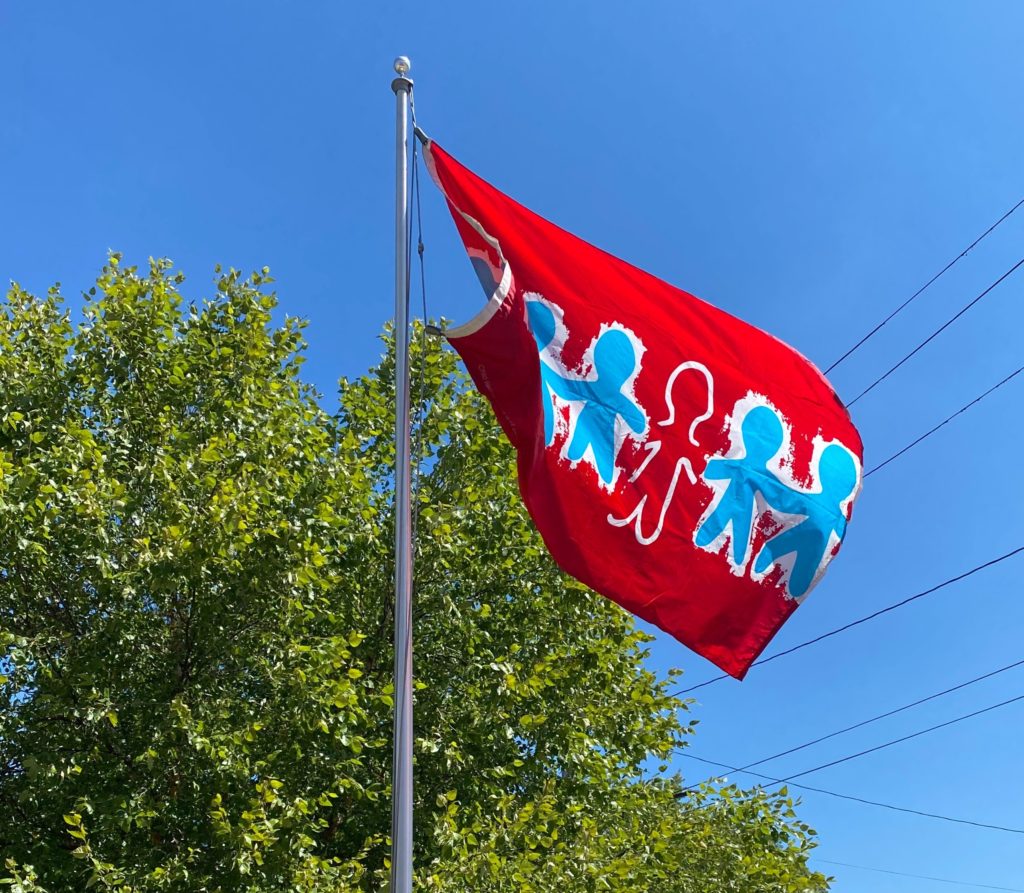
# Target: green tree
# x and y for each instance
(195, 625)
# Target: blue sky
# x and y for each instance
(805, 166)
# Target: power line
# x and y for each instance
(863, 801)
(882, 716)
(924, 287)
(946, 422)
(934, 334)
(885, 715)
(834, 632)
(894, 741)
(921, 877)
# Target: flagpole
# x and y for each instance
(401, 781)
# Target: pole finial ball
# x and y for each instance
(402, 65)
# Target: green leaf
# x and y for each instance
(206, 538)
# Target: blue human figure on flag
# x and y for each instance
(603, 399)
(811, 538)
(762, 435)
(542, 325)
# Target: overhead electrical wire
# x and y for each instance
(912, 735)
(880, 716)
(941, 424)
(862, 800)
(923, 288)
(790, 779)
(920, 877)
(872, 616)
(934, 334)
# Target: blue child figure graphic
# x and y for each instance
(603, 399)
(762, 435)
(824, 516)
(542, 325)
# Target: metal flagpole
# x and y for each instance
(401, 781)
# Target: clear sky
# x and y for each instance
(805, 166)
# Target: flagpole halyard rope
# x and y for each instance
(421, 374)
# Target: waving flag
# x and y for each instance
(686, 465)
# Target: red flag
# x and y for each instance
(686, 465)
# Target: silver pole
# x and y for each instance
(401, 781)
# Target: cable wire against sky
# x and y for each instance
(834, 632)
(861, 800)
(881, 716)
(923, 288)
(921, 877)
(894, 741)
(937, 332)
(941, 424)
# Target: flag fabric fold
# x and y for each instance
(679, 461)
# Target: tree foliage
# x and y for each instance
(195, 632)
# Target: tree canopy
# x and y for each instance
(196, 622)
